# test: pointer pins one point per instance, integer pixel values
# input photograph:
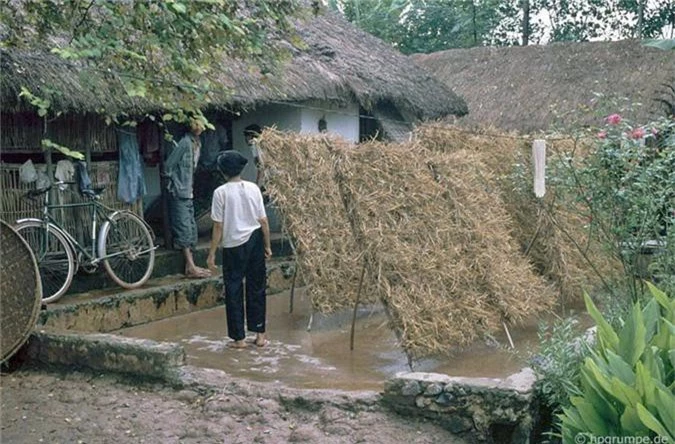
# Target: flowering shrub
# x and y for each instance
(627, 185)
(613, 119)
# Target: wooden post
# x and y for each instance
(84, 222)
(508, 335)
(356, 307)
(295, 270)
(166, 228)
(295, 274)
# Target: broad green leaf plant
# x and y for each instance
(628, 380)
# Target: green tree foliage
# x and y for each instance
(585, 20)
(432, 25)
(422, 26)
(443, 24)
(164, 50)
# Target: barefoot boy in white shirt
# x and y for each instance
(240, 226)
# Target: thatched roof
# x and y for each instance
(339, 63)
(524, 88)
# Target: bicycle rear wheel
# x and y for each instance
(54, 257)
(128, 252)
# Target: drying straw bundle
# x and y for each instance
(553, 232)
(300, 181)
(428, 229)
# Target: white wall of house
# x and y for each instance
(283, 117)
(342, 120)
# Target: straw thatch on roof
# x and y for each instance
(532, 88)
(339, 63)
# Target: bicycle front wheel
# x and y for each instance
(127, 251)
(54, 257)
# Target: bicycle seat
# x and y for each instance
(93, 192)
(32, 194)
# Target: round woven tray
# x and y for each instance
(20, 291)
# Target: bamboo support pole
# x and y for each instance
(292, 296)
(356, 307)
(508, 335)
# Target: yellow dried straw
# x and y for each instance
(429, 226)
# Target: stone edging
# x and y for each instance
(486, 409)
(105, 352)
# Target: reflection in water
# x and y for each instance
(320, 357)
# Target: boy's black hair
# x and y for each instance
(231, 163)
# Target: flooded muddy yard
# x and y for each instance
(308, 351)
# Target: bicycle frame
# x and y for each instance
(98, 211)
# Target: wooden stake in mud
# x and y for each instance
(295, 270)
(295, 274)
(356, 306)
(508, 334)
(349, 203)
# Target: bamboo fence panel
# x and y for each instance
(23, 132)
(14, 205)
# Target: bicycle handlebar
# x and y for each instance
(32, 194)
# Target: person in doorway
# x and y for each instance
(240, 226)
(251, 132)
(179, 169)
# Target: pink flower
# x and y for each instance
(602, 135)
(655, 131)
(613, 119)
(638, 133)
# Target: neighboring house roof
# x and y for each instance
(527, 88)
(339, 63)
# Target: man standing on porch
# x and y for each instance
(180, 167)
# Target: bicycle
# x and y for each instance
(124, 244)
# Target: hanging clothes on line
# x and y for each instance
(214, 142)
(130, 180)
(65, 171)
(149, 139)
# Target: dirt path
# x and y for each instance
(85, 408)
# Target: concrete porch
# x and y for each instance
(96, 304)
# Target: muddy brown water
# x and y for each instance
(308, 351)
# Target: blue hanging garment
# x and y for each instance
(83, 180)
(130, 180)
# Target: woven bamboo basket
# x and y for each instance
(20, 291)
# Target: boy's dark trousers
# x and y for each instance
(245, 261)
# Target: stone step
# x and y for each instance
(105, 310)
(168, 262)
